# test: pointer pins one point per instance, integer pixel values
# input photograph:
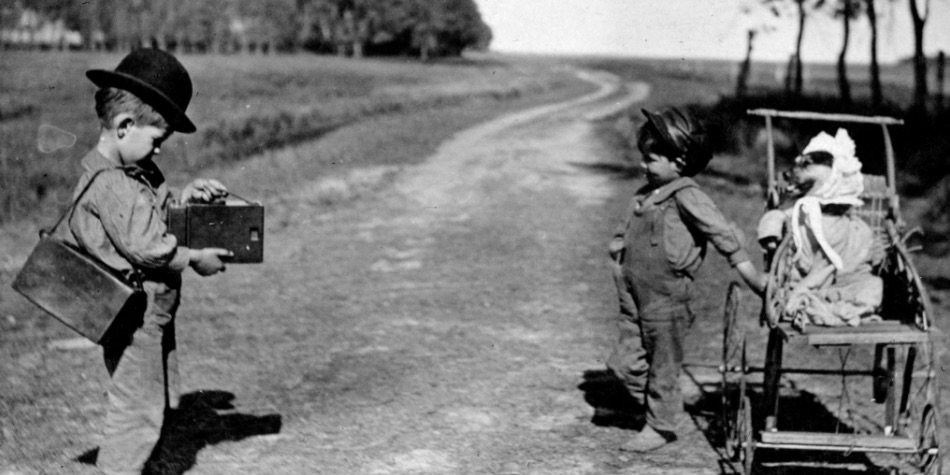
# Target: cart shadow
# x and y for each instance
(203, 418)
(800, 411)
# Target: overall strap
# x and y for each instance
(72, 207)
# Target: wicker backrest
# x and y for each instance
(876, 205)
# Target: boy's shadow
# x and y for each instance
(196, 424)
(613, 406)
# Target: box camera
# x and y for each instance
(235, 226)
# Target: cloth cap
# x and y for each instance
(155, 77)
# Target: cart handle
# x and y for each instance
(828, 117)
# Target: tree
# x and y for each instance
(796, 77)
(877, 96)
(846, 10)
(757, 20)
(799, 80)
(919, 18)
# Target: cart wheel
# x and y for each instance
(918, 396)
(928, 455)
(744, 437)
(732, 339)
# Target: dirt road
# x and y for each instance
(455, 323)
(452, 322)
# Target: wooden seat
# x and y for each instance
(888, 332)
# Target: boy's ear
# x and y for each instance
(122, 122)
(679, 163)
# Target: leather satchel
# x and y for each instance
(77, 289)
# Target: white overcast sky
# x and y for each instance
(696, 29)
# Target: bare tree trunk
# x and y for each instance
(790, 74)
(306, 24)
(941, 63)
(799, 80)
(220, 35)
(742, 81)
(877, 95)
(920, 60)
(844, 87)
(120, 26)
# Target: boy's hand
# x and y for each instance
(207, 261)
(203, 190)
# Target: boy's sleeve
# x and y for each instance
(135, 228)
(699, 212)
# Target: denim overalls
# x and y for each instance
(655, 313)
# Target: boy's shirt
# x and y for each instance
(697, 220)
(121, 218)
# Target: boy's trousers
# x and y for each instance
(144, 381)
(649, 353)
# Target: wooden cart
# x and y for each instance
(904, 368)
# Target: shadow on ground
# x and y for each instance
(613, 406)
(198, 422)
(798, 411)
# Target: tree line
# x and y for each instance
(846, 11)
(423, 28)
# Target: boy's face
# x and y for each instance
(660, 170)
(139, 142)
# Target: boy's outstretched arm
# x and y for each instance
(701, 213)
(752, 277)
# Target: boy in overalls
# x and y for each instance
(657, 251)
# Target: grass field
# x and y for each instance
(343, 129)
(241, 106)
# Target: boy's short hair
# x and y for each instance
(111, 101)
(649, 141)
(681, 136)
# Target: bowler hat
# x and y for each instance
(158, 79)
(684, 134)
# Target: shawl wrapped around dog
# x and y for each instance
(851, 292)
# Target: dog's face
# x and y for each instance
(803, 177)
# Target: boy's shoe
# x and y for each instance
(646, 440)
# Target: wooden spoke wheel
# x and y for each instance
(917, 397)
(745, 442)
(732, 341)
(928, 458)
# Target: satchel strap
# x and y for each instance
(69, 211)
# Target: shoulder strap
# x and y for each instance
(69, 211)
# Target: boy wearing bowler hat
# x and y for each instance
(120, 220)
(655, 254)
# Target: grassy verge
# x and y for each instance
(241, 106)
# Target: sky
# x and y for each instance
(699, 29)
